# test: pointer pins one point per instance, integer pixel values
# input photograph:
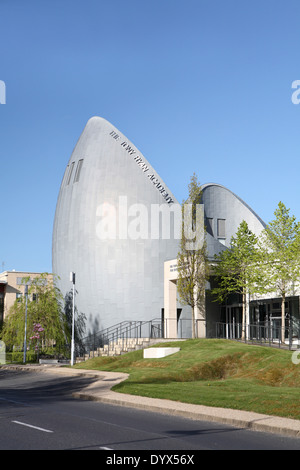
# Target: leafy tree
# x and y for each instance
(280, 251)
(44, 307)
(192, 261)
(236, 269)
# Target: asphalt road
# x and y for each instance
(37, 412)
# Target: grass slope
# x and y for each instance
(213, 372)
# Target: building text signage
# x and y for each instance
(144, 167)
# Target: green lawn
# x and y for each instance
(213, 372)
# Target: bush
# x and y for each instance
(17, 356)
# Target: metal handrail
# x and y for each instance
(123, 332)
(267, 333)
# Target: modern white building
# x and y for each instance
(106, 229)
(116, 226)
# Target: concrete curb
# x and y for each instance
(100, 390)
(236, 418)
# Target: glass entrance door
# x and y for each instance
(234, 314)
(276, 328)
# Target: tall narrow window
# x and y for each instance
(221, 228)
(70, 172)
(78, 171)
(209, 226)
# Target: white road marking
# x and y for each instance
(30, 426)
(105, 448)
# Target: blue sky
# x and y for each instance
(197, 85)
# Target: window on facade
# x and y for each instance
(70, 172)
(21, 281)
(19, 296)
(209, 226)
(78, 171)
(221, 228)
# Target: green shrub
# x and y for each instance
(17, 356)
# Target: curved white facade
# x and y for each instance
(224, 211)
(100, 231)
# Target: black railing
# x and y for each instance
(268, 333)
(124, 335)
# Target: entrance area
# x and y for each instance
(232, 316)
(265, 322)
(174, 325)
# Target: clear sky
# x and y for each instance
(200, 86)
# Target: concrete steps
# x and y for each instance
(118, 347)
(122, 346)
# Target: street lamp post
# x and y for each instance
(72, 279)
(25, 343)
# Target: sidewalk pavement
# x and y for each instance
(102, 382)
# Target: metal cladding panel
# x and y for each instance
(117, 277)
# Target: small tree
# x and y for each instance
(37, 337)
(192, 261)
(236, 269)
(280, 252)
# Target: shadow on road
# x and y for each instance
(37, 386)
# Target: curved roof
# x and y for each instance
(206, 185)
(224, 211)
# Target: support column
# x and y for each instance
(200, 321)
(170, 304)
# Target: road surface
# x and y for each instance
(38, 412)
